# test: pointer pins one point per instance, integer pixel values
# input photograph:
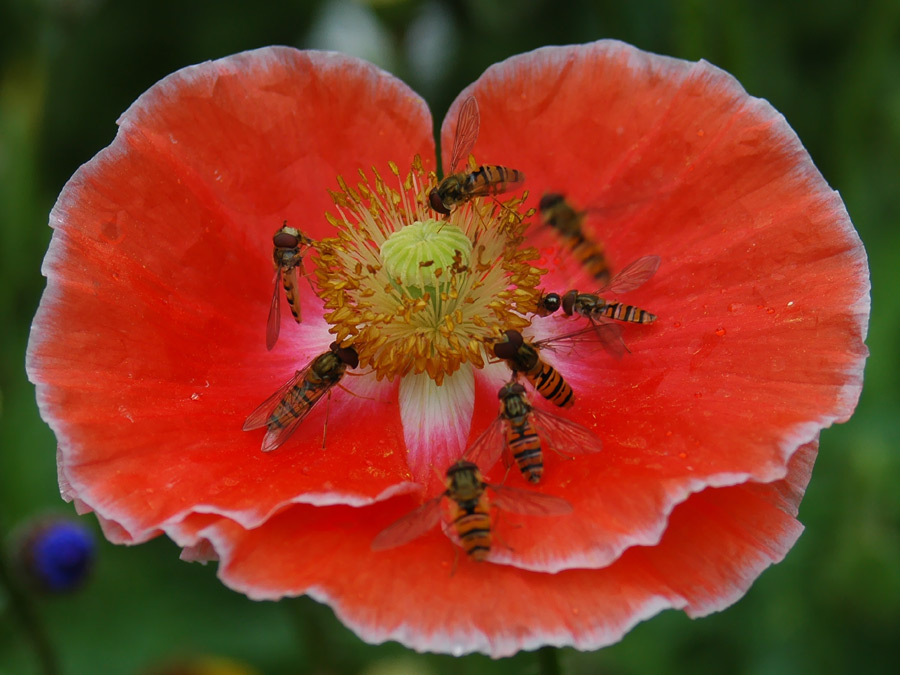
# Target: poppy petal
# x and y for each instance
(762, 294)
(436, 420)
(716, 544)
(148, 348)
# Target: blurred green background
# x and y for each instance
(68, 68)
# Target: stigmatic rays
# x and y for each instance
(407, 293)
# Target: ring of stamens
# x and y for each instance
(413, 294)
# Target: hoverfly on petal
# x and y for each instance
(562, 216)
(489, 179)
(598, 311)
(469, 511)
(521, 433)
(521, 355)
(288, 246)
(284, 410)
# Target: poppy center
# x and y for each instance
(417, 254)
(414, 294)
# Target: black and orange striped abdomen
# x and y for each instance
(550, 384)
(589, 254)
(491, 179)
(525, 445)
(289, 282)
(472, 520)
(630, 313)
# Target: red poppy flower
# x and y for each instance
(149, 347)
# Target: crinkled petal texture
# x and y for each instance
(716, 544)
(762, 293)
(148, 348)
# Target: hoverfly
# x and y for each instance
(469, 511)
(488, 179)
(525, 429)
(288, 243)
(522, 356)
(283, 411)
(566, 220)
(598, 311)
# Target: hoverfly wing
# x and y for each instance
(273, 323)
(260, 416)
(609, 336)
(605, 333)
(633, 275)
(565, 436)
(529, 502)
(467, 125)
(409, 527)
(488, 447)
(298, 405)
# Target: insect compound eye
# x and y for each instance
(285, 240)
(435, 200)
(549, 200)
(507, 350)
(346, 354)
(517, 389)
(551, 302)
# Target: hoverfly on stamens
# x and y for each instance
(598, 310)
(470, 514)
(489, 179)
(284, 410)
(521, 433)
(563, 217)
(288, 245)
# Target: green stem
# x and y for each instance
(308, 626)
(548, 661)
(22, 606)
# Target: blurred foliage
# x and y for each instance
(68, 68)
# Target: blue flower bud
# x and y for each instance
(57, 555)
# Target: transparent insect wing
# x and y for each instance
(564, 436)
(599, 331)
(609, 337)
(528, 502)
(632, 276)
(411, 526)
(276, 437)
(273, 324)
(467, 126)
(489, 446)
(260, 416)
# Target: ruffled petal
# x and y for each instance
(148, 350)
(762, 295)
(716, 544)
